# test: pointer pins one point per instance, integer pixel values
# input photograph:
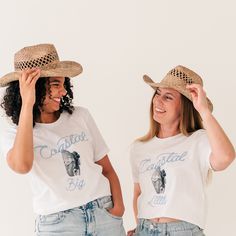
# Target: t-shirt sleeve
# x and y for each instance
(7, 137)
(99, 145)
(133, 164)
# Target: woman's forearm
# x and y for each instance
(20, 157)
(115, 191)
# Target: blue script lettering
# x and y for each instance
(75, 184)
(148, 165)
(157, 200)
(62, 144)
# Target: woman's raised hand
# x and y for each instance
(27, 82)
(199, 98)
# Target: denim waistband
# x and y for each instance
(100, 203)
(170, 226)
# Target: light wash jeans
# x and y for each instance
(181, 228)
(91, 219)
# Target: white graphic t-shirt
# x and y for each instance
(64, 173)
(172, 174)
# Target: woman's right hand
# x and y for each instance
(131, 232)
(27, 82)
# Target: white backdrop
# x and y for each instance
(117, 42)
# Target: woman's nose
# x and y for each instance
(63, 91)
(157, 99)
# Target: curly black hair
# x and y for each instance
(12, 101)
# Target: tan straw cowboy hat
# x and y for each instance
(177, 79)
(45, 57)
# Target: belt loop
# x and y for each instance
(166, 228)
(142, 224)
(99, 203)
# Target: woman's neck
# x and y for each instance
(166, 132)
(48, 117)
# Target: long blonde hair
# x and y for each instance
(190, 121)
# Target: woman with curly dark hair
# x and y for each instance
(12, 100)
(75, 188)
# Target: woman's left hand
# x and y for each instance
(116, 211)
(199, 98)
(131, 232)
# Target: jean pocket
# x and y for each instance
(108, 205)
(194, 232)
(182, 233)
(51, 219)
(137, 230)
(106, 211)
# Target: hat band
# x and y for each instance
(38, 62)
(181, 75)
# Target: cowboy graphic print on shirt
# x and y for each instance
(71, 159)
(159, 180)
(72, 165)
(157, 168)
(72, 162)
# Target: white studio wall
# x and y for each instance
(117, 42)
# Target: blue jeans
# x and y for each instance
(88, 220)
(180, 228)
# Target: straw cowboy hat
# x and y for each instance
(177, 79)
(45, 57)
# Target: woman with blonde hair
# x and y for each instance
(172, 162)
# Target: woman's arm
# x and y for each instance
(223, 152)
(20, 157)
(110, 173)
(137, 192)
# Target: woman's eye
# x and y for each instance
(55, 85)
(169, 98)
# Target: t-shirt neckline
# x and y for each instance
(169, 138)
(52, 124)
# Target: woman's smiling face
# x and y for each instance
(55, 90)
(166, 106)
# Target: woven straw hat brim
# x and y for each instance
(61, 68)
(181, 90)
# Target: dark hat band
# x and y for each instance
(37, 63)
(181, 75)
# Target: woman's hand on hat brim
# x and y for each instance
(27, 82)
(199, 98)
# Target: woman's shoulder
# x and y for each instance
(82, 111)
(8, 129)
(8, 125)
(138, 145)
(199, 135)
